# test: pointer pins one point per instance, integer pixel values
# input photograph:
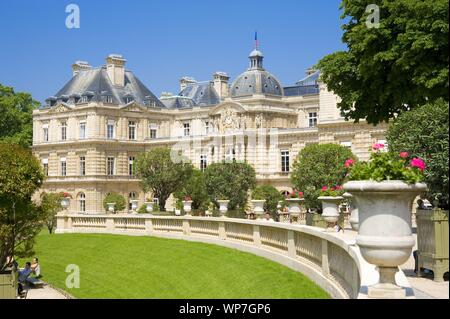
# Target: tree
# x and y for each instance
(51, 205)
(396, 67)
(424, 133)
(195, 188)
(161, 175)
(16, 120)
(272, 197)
(230, 180)
(20, 219)
(118, 199)
(319, 165)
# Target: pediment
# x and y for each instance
(133, 107)
(228, 107)
(61, 108)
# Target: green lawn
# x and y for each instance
(145, 267)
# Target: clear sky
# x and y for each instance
(163, 40)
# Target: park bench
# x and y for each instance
(35, 282)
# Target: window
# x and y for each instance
(82, 203)
(110, 166)
(230, 155)
(45, 165)
(84, 99)
(131, 166)
(131, 130)
(153, 131)
(132, 196)
(313, 119)
(82, 130)
(45, 132)
(110, 130)
(82, 166)
(64, 131)
(208, 127)
(129, 99)
(187, 129)
(108, 99)
(285, 162)
(203, 162)
(63, 167)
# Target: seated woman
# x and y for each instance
(35, 267)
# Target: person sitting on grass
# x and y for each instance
(36, 268)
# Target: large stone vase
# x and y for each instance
(385, 234)
(354, 219)
(258, 208)
(330, 210)
(223, 207)
(187, 207)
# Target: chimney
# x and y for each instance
(79, 66)
(185, 81)
(221, 84)
(115, 66)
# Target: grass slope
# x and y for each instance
(145, 267)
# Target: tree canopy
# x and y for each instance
(195, 188)
(230, 181)
(20, 219)
(161, 175)
(319, 165)
(16, 120)
(424, 133)
(395, 67)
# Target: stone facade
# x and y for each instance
(87, 145)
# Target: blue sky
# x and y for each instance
(163, 40)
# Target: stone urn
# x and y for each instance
(223, 207)
(149, 207)
(385, 233)
(111, 207)
(330, 210)
(258, 208)
(65, 202)
(294, 205)
(134, 205)
(354, 219)
(187, 207)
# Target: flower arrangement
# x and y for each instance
(332, 191)
(385, 165)
(295, 195)
(65, 195)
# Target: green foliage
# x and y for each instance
(387, 70)
(271, 195)
(51, 205)
(230, 181)
(319, 165)
(161, 174)
(333, 191)
(195, 188)
(385, 166)
(16, 120)
(424, 133)
(20, 219)
(118, 199)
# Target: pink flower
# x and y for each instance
(349, 163)
(404, 154)
(333, 189)
(378, 147)
(419, 163)
(300, 194)
(338, 188)
(325, 188)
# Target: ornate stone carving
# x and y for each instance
(259, 119)
(230, 119)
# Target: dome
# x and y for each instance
(256, 80)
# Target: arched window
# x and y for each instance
(82, 202)
(131, 196)
(285, 193)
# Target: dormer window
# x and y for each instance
(84, 99)
(51, 101)
(128, 98)
(107, 99)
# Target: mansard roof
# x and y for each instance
(96, 84)
(197, 94)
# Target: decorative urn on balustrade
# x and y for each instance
(258, 207)
(223, 207)
(187, 205)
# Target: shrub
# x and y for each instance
(318, 165)
(272, 197)
(424, 133)
(115, 198)
(195, 188)
(230, 180)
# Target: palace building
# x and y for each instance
(88, 135)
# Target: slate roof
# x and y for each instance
(96, 84)
(306, 86)
(196, 94)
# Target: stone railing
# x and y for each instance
(332, 260)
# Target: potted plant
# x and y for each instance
(331, 198)
(223, 206)
(187, 205)
(111, 207)
(134, 205)
(293, 201)
(385, 188)
(149, 206)
(258, 202)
